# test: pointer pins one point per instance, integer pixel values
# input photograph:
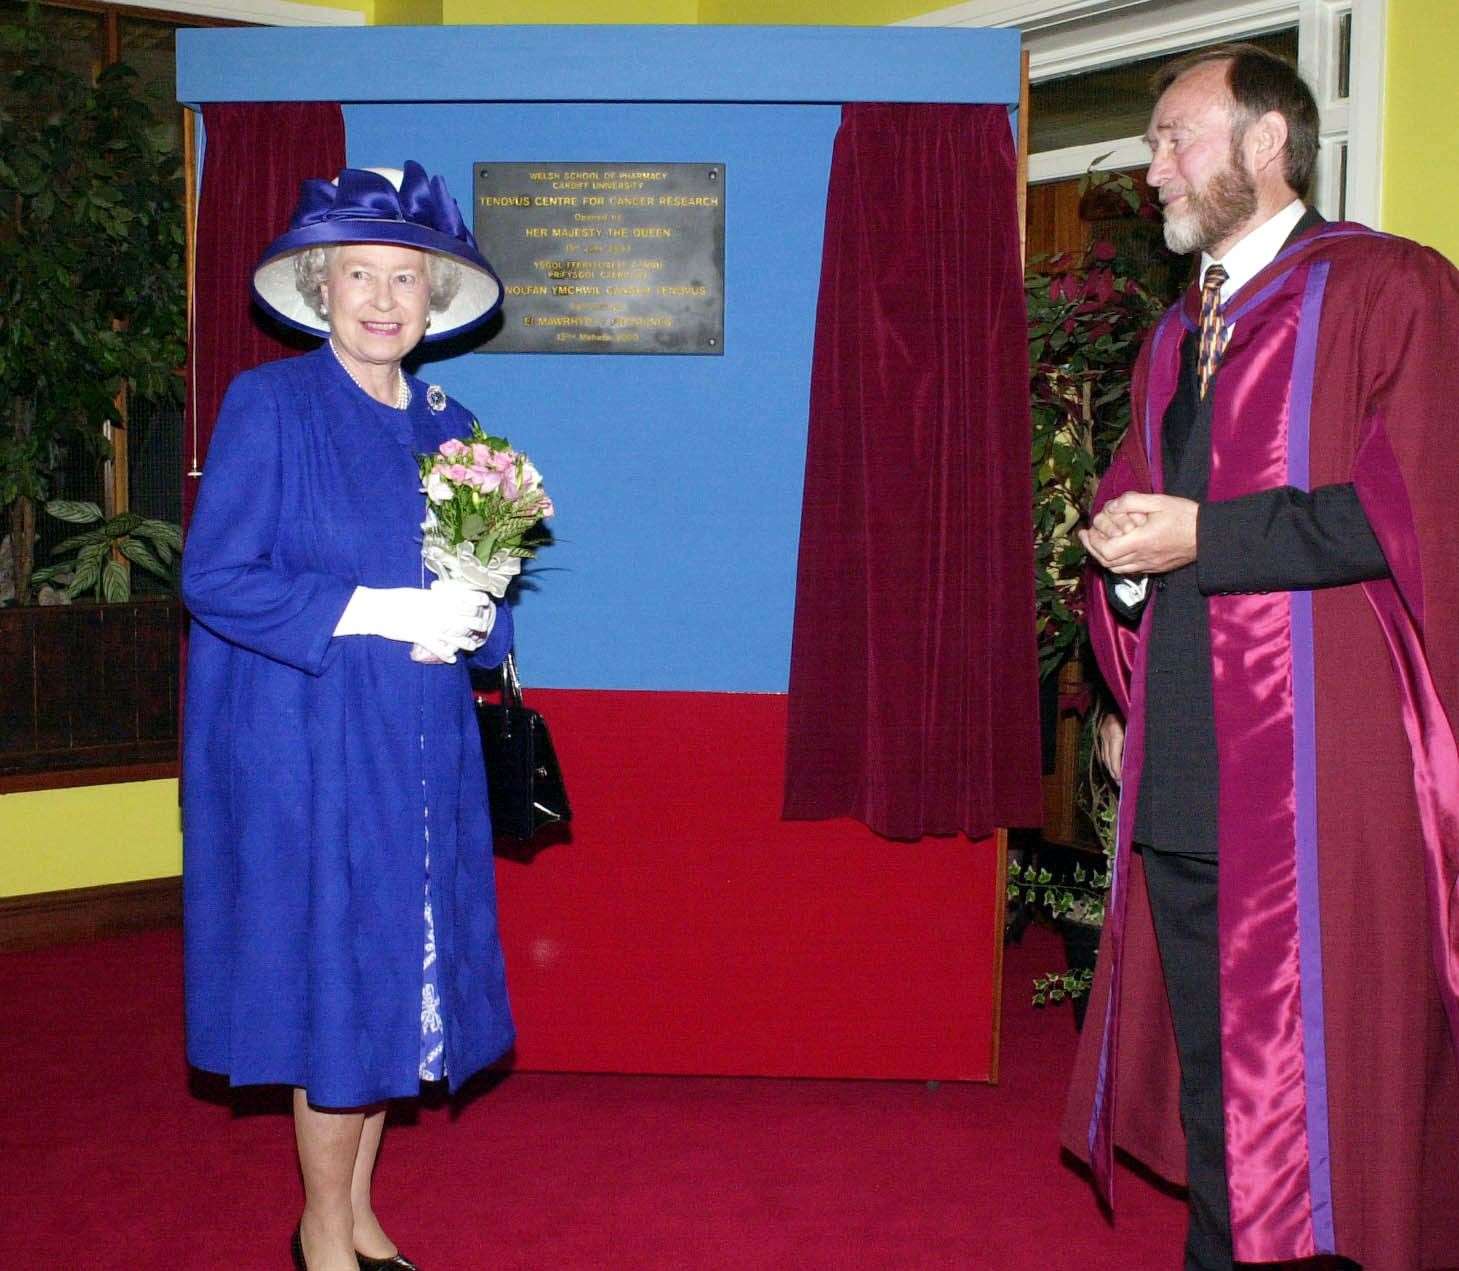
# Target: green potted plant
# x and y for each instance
(1087, 316)
(92, 298)
(91, 560)
(92, 314)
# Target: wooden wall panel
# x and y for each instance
(1054, 225)
(87, 686)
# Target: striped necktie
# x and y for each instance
(1214, 332)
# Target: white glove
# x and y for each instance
(474, 639)
(448, 618)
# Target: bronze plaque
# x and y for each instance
(604, 257)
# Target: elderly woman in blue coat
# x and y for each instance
(340, 912)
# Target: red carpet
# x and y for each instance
(109, 1158)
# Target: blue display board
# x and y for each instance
(599, 63)
(677, 479)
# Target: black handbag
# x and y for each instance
(523, 778)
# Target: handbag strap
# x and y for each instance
(511, 685)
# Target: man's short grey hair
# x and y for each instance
(1259, 81)
(311, 268)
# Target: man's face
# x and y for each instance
(1197, 164)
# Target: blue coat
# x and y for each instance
(314, 766)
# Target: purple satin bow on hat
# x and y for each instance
(365, 207)
(360, 195)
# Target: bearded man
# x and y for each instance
(1276, 617)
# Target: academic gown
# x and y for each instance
(1338, 806)
(319, 770)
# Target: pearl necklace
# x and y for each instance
(402, 395)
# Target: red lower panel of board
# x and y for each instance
(685, 928)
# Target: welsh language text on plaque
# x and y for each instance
(605, 257)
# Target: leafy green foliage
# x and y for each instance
(90, 559)
(1077, 895)
(1086, 319)
(91, 263)
(1060, 986)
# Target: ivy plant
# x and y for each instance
(1075, 892)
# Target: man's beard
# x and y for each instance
(1211, 215)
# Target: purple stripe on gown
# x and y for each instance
(1319, 1164)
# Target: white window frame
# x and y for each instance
(1108, 37)
(263, 12)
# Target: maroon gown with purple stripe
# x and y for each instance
(1339, 779)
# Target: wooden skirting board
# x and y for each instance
(87, 913)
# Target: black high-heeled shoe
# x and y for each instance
(396, 1262)
(296, 1247)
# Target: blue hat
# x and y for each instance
(378, 205)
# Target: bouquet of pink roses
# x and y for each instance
(484, 509)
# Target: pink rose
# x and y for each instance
(484, 479)
(453, 448)
(480, 453)
(457, 472)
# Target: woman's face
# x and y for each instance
(377, 298)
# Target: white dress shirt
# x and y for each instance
(1256, 250)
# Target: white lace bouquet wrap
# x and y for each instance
(485, 505)
(462, 564)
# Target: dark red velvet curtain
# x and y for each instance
(914, 678)
(256, 156)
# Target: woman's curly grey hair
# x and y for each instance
(311, 268)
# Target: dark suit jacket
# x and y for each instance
(1281, 539)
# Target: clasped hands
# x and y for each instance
(1143, 533)
(1138, 534)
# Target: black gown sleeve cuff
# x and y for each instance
(1285, 539)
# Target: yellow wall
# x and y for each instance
(590, 12)
(583, 12)
(1420, 176)
(404, 13)
(811, 12)
(367, 7)
(94, 835)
